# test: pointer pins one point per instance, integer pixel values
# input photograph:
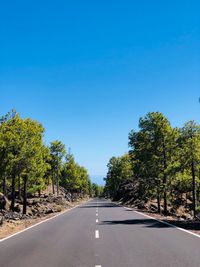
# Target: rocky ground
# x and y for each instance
(39, 208)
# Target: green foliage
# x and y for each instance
(23, 154)
(163, 161)
(190, 154)
(57, 152)
(27, 164)
(198, 210)
(97, 190)
(74, 177)
(119, 169)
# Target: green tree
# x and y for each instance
(57, 151)
(84, 180)
(32, 153)
(97, 190)
(190, 154)
(75, 178)
(152, 147)
(119, 169)
(70, 177)
(25, 158)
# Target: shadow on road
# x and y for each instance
(144, 222)
(150, 223)
(188, 225)
(106, 205)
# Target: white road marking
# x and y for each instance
(169, 224)
(96, 233)
(97, 220)
(166, 223)
(34, 225)
(97, 265)
(127, 208)
(96, 214)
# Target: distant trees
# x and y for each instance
(97, 190)
(74, 177)
(163, 161)
(27, 165)
(119, 169)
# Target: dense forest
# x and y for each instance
(163, 164)
(28, 165)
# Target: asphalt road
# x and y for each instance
(100, 233)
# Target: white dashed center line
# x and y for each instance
(97, 231)
(97, 234)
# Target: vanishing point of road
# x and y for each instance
(101, 234)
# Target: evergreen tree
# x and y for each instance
(190, 154)
(57, 151)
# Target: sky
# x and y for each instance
(88, 70)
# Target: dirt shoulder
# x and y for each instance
(11, 227)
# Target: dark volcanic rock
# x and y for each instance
(17, 208)
(37, 206)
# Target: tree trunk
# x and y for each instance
(158, 200)
(19, 187)
(57, 181)
(197, 197)
(53, 182)
(25, 195)
(193, 189)
(13, 191)
(4, 189)
(165, 180)
(165, 211)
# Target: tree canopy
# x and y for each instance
(28, 165)
(163, 161)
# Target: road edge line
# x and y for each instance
(169, 224)
(160, 221)
(36, 224)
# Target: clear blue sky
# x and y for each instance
(87, 70)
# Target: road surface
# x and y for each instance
(100, 233)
